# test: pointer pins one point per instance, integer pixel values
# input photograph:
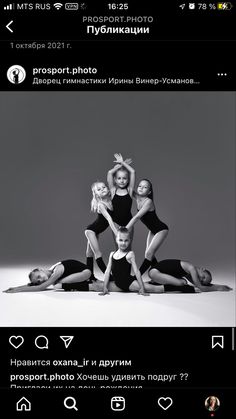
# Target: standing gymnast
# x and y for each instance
(147, 214)
(121, 180)
(102, 205)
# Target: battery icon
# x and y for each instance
(71, 6)
(224, 6)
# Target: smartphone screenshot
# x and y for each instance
(117, 226)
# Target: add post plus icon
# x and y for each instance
(67, 340)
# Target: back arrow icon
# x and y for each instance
(8, 26)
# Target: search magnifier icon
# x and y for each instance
(70, 403)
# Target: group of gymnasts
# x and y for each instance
(112, 202)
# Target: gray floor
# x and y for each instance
(58, 308)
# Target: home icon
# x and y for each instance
(23, 405)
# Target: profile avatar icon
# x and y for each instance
(16, 74)
(212, 403)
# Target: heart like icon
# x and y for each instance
(165, 402)
(16, 341)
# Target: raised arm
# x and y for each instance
(124, 163)
(110, 178)
(131, 258)
(145, 208)
(104, 212)
(107, 276)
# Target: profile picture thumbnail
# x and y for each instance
(16, 74)
(212, 403)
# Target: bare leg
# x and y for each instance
(78, 277)
(89, 257)
(154, 289)
(158, 289)
(131, 235)
(165, 279)
(114, 238)
(99, 285)
(74, 278)
(154, 242)
(96, 286)
(149, 239)
(89, 252)
(93, 242)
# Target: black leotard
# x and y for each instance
(122, 209)
(170, 267)
(152, 222)
(100, 224)
(71, 266)
(121, 269)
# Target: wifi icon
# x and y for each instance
(58, 5)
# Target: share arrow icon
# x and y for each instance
(67, 340)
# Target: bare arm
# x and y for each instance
(145, 208)
(110, 178)
(21, 288)
(215, 287)
(30, 288)
(204, 288)
(42, 287)
(104, 212)
(131, 258)
(124, 163)
(107, 276)
(188, 267)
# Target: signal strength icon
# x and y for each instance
(9, 7)
(58, 5)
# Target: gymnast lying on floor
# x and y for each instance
(175, 273)
(170, 275)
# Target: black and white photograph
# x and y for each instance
(117, 209)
